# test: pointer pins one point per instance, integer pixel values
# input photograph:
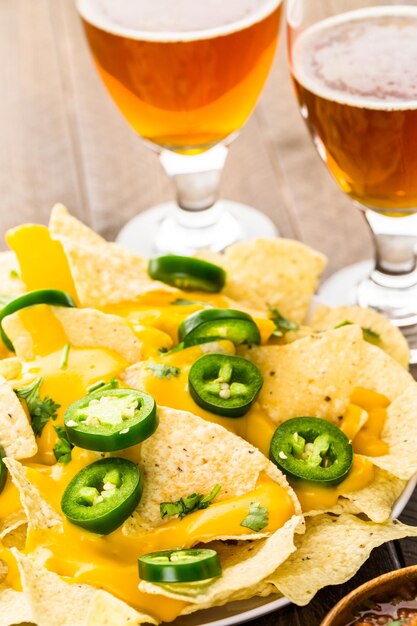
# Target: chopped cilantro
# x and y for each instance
(282, 324)
(64, 358)
(184, 506)
(368, 334)
(40, 410)
(160, 370)
(63, 447)
(257, 518)
(101, 385)
(185, 302)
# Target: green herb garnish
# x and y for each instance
(63, 364)
(14, 274)
(257, 518)
(185, 302)
(368, 334)
(41, 410)
(103, 386)
(160, 370)
(184, 506)
(282, 324)
(63, 447)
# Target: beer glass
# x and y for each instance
(354, 69)
(186, 75)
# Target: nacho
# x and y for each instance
(334, 548)
(386, 336)
(10, 280)
(16, 434)
(273, 273)
(207, 480)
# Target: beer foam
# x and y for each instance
(174, 20)
(365, 58)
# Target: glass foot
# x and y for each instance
(354, 285)
(166, 229)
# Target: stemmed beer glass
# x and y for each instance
(354, 68)
(186, 75)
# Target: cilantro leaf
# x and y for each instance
(101, 385)
(282, 324)
(189, 504)
(185, 302)
(160, 370)
(371, 336)
(63, 447)
(41, 410)
(257, 518)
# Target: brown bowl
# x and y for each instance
(341, 614)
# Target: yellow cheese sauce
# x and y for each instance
(110, 562)
(9, 500)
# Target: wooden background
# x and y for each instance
(62, 139)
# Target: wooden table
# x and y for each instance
(62, 139)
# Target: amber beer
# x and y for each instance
(185, 73)
(356, 81)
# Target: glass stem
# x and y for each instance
(391, 287)
(198, 220)
(197, 182)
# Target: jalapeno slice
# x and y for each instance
(214, 324)
(103, 495)
(312, 449)
(3, 470)
(179, 566)
(223, 384)
(41, 296)
(111, 419)
(187, 273)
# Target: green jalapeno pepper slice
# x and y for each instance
(312, 449)
(55, 297)
(225, 385)
(103, 495)
(111, 419)
(3, 470)
(187, 273)
(179, 566)
(215, 324)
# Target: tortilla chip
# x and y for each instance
(10, 368)
(10, 282)
(314, 376)
(199, 454)
(107, 610)
(84, 328)
(16, 434)
(331, 552)
(279, 273)
(89, 327)
(244, 567)
(62, 225)
(376, 500)
(392, 341)
(54, 602)
(15, 608)
(14, 525)
(38, 513)
(381, 373)
(103, 272)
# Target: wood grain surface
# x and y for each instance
(62, 139)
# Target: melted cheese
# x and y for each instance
(314, 497)
(9, 499)
(110, 562)
(43, 263)
(85, 366)
(368, 440)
